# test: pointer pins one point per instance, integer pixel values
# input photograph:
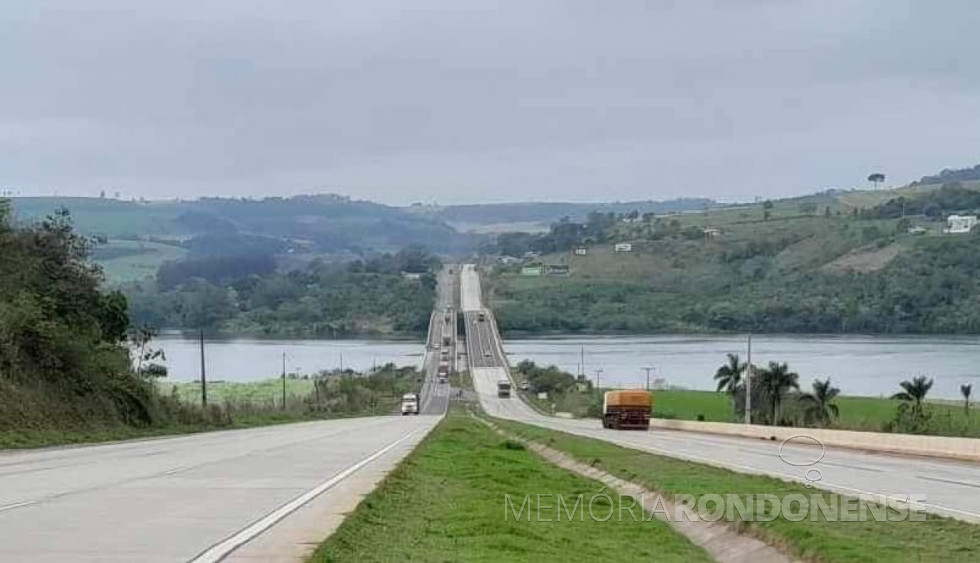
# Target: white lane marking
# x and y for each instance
(17, 505)
(221, 550)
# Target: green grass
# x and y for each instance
(856, 413)
(222, 392)
(130, 260)
(689, 405)
(446, 502)
(935, 539)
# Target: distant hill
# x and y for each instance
(139, 236)
(545, 213)
(323, 223)
(951, 175)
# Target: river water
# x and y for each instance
(859, 365)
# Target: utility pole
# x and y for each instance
(283, 381)
(581, 361)
(341, 362)
(598, 372)
(748, 385)
(204, 379)
(648, 369)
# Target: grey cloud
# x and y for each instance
(472, 101)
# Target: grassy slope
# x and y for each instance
(143, 261)
(445, 502)
(935, 539)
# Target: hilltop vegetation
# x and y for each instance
(810, 264)
(63, 358)
(137, 237)
(544, 213)
(247, 295)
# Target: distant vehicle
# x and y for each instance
(503, 389)
(486, 353)
(481, 316)
(443, 379)
(447, 339)
(443, 370)
(626, 409)
(444, 356)
(410, 403)
(525, 386)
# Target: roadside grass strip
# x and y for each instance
(456, 496)
(820, 536)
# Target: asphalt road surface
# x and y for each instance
(264, 494)
(950, 488)
(196, 497)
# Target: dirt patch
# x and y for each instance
(863, 260)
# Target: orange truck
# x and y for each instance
(626, 409)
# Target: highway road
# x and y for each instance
(950, 488)
(264, 494)
(195, 497)
(443, 322)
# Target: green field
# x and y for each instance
(446, 502)
(856, 413)
(134, 260)
(220, 392)
(935, 539)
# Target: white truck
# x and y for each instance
(410, 403)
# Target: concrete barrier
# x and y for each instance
(967, 449)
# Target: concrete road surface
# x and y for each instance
(435, 395)
(950, 488)
(196, 497)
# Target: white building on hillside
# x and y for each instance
(623, 247)
(958, 224)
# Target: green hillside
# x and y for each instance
(817, 264)
(137, 237)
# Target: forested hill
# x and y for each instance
(320, 223)
(877, 261)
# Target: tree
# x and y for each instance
(914, 392)
(876, 178)
(776, 381)
(818, 405)
(966, 389)
(911, 418)
(729, 376)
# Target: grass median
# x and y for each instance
(934, 539)
(446, 502)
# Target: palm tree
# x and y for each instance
(966, 389)
(729, 376)
(776, 381)
(818, 404)
(914, 392)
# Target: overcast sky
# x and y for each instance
(468, 101)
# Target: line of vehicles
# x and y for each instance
(621, 409)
